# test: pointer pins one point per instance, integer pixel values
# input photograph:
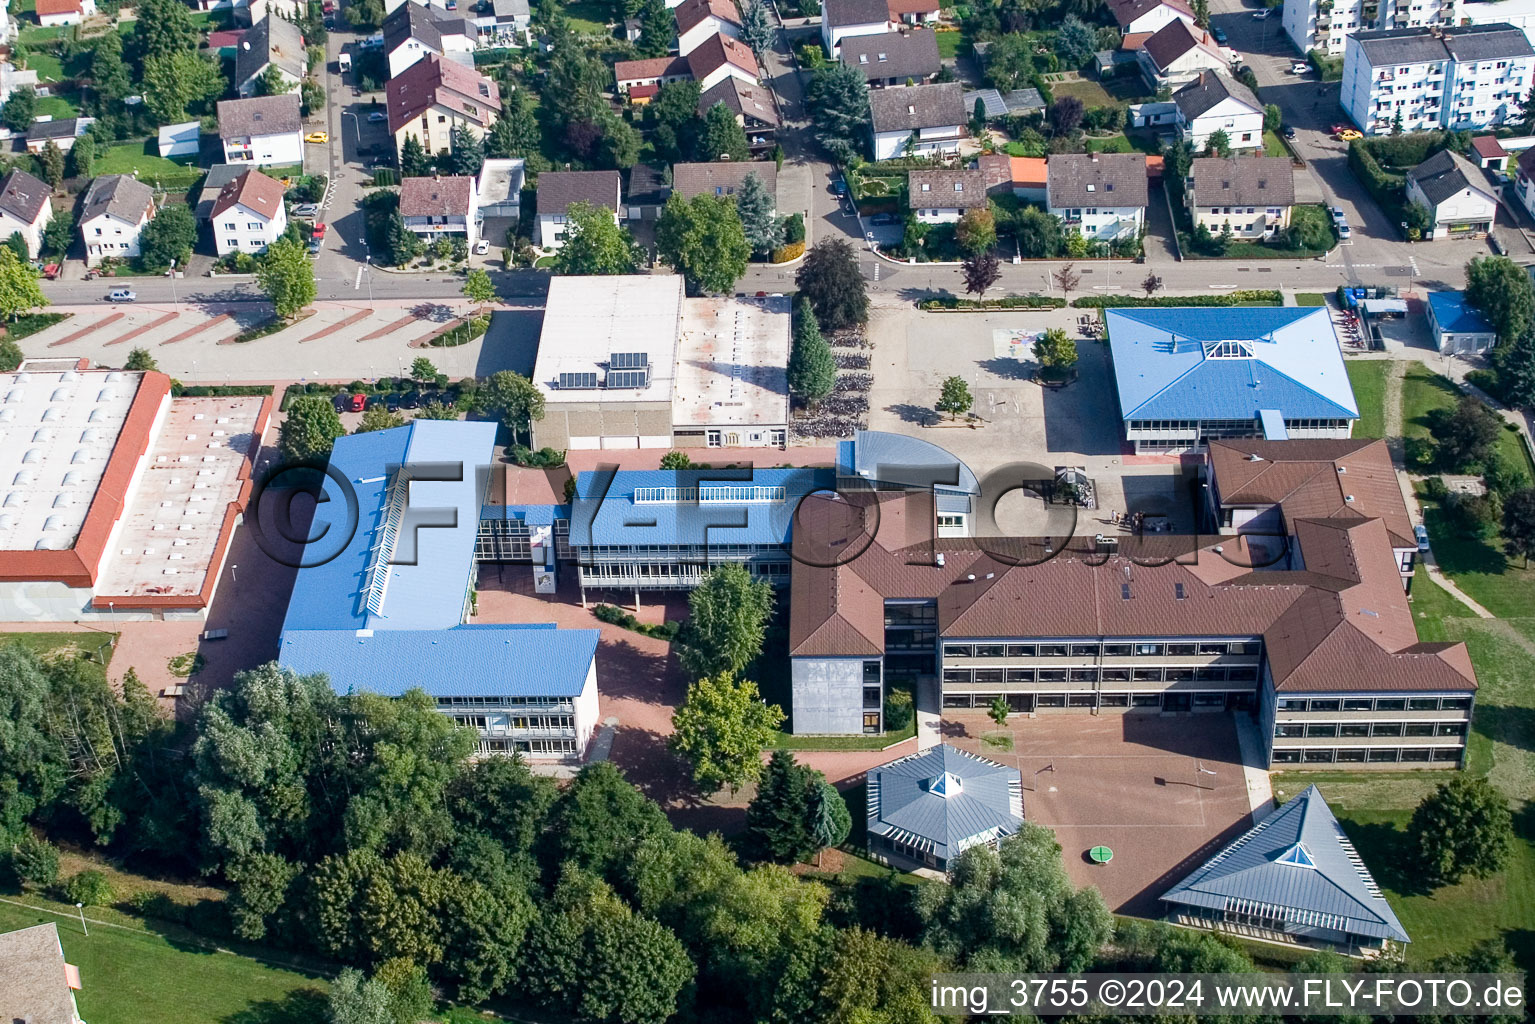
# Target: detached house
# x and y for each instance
(557, 190)
(1101, 196)
(271, 42)
(912, 12)
(62, 132)
(754, 107)
(24, 209)
(720, 57)
(503, 22)
(115, 210)
(943, 197)
(1214, 103)
(722, 178)
(697, 20)
(640, 80)
(433, 97)
(248, 215)
(927, 119)
(843, 18)
(51, 13)
(1177, 53)
(1251, 195)
(1144, 17)
(413, 31)
(264, 131)
(893, 58)
(1456, 192)
(433, 208)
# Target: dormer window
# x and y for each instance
(959, 186)
(863, 58)
(910, 109)
(1092, 188)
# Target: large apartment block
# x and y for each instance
(1298, 612)
(1461, 79)
(1325, 25)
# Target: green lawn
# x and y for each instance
(1137, 143)
(1310, 299)
(143, 158)
(949, 44)
(131, 976)
(1424, 391)
(47, 65)
(1019, 149)
(61, 106)
(587, 17)
(1273, 145)
(50, 646)
(31, 35)
(790, 741)
(1368, 379)
(1375, 806)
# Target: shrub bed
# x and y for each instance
(791, 251)
(1236, 298)
(30, 324)
(462, 334)
(618, 617)
(261, 330)
(1006, 302)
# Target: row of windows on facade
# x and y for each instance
(534, 703)
(1236, 211)
(1214, 427)
(1361, 755)
(1327, 730)
(543, 722)
(1244, 674)
(671, 570)
(1211, 700)
(602, 551)
(528, 746)
(1457, 703)
(1177, 648)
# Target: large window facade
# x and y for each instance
(1389, 732)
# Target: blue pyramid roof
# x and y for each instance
(1166, 366)
(1295, 864)
(944, 799)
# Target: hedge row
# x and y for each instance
(180, 390)
(1235, 298)
(1006, 302)
(618, 617)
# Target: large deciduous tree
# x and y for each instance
(169, 236)
(309, 429)
(954, 397)
(514, 398)
(1519, 524)
(1462, 828)
(702, 239)
(981, 271)
(19, 290)
(830, 279)
(1501, 289)
(723, 138)
(177, 81)
(595, 244)
(721, 727)
(285, 274)
(727, 621)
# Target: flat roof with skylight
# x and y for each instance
(732, 363)
(609, 338)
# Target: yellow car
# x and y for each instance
(317, 137)
(1349, 135)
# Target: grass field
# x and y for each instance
(60, 106)
(52, 646)
(1310, 299)
(587, 17)
(949, 44)
(47, 65)
(1375, 807)
(1137, 143)
(1368, 379)
(130, 976)
(137, 157)
(1273, 145)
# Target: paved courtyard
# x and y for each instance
(1129, 782)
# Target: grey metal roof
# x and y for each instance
(1444, 174)
(1243, 181)
(913, 107)
(58, 128)
(1298, 865)
(1421, 45)
(911, 54)
(1095, 179)
(944, 800)
(270, 41)
(898, 459)
(854, 12)
(1208, 90)
(120, 196)
(1022, 101)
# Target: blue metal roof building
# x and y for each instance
(380, 602)
(1294, 875)
(1457, 325)
(1185, 375)
(929, 807)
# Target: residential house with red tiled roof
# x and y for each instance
(433, 97)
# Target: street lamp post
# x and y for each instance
(175, 300)
(356, 132)
(81, 908)
(367, 269)
(233, 570)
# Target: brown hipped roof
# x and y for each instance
(436, 197)
(254, 191)
(1333, 616)
(432, 81)
(1243, 181)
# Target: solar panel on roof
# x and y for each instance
(628, 361)
(628, 378)
(578, 380)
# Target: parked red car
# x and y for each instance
(359, 403)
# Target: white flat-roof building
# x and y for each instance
(628, 362)
(115, 498)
